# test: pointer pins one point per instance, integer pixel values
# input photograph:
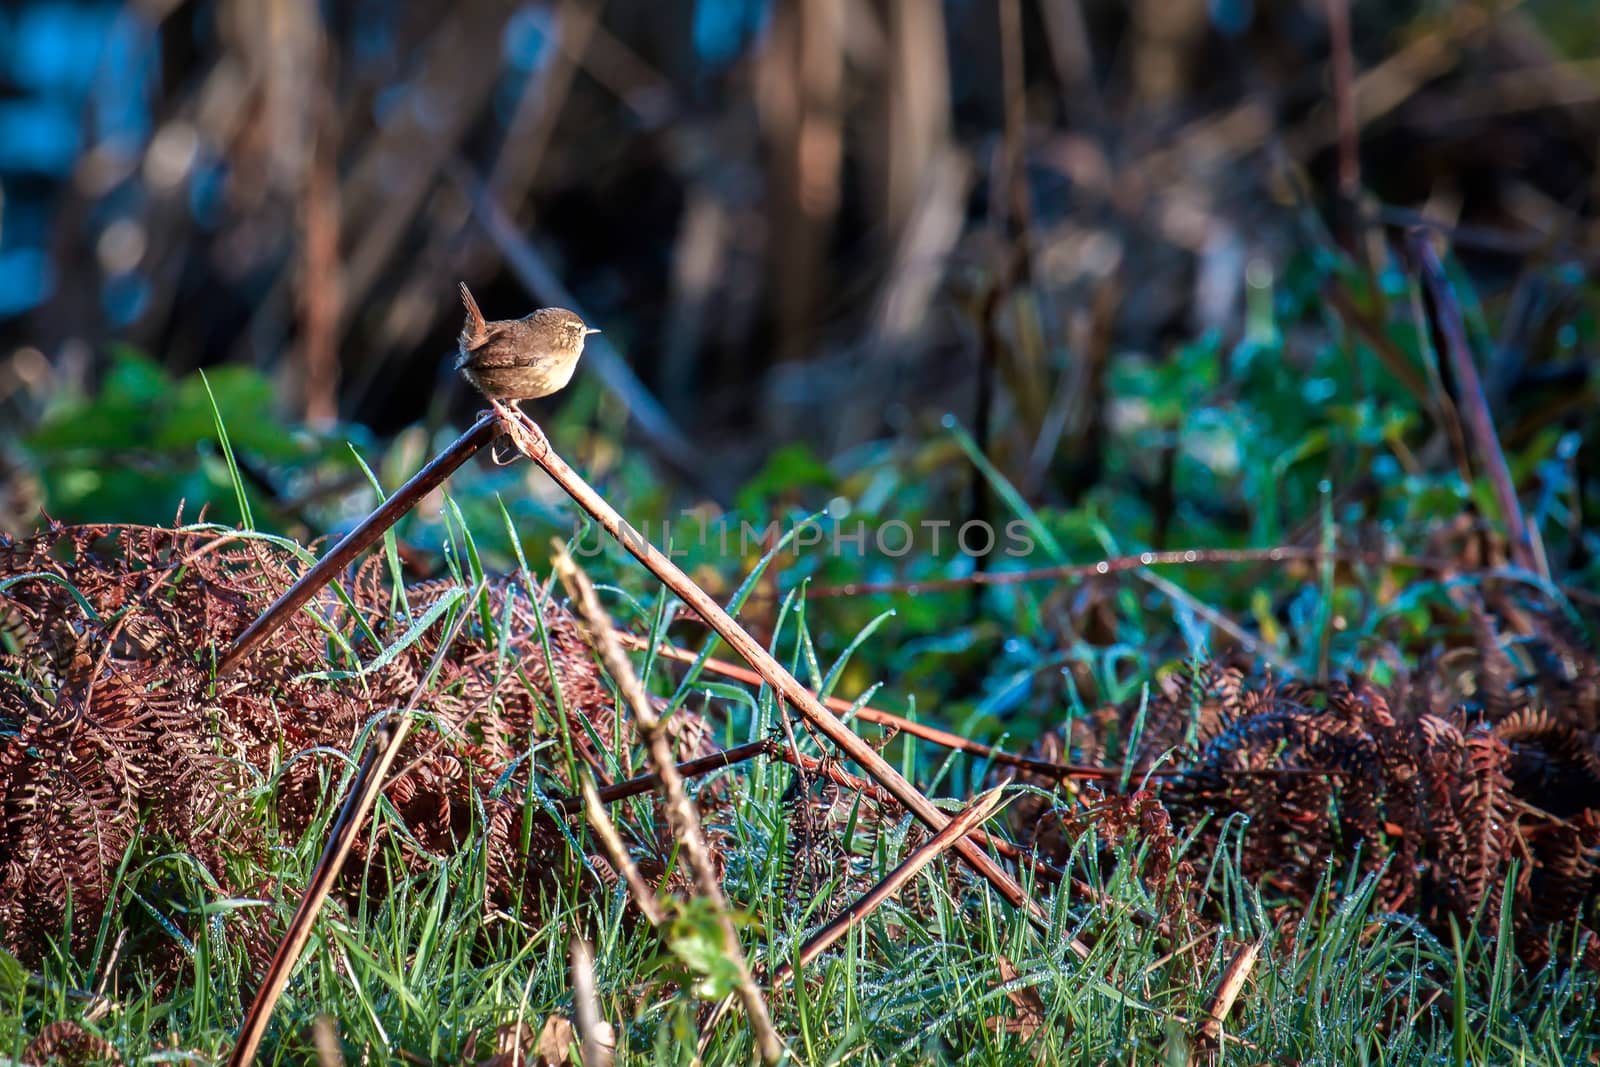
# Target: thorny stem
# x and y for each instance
(885, 718)
(867, 713)
(1119, 564)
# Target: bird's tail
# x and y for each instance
(475, 331)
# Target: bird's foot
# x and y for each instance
(523, 431)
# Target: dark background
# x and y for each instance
(824, 224)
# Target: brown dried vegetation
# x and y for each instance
(112, 730)
(1480, 766)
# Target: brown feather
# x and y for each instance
(475, 331)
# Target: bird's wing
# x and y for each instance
(504, 345)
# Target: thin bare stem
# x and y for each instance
(1474, 406)
(606, 831)
(1512, 243)
(883, 718)
(980, 811)
(358, 540)
(680, 809)
(867, 713)
(693, 768)
(1119, 564)
(1395, 360)
(352, 818)
(1344, 98)
(1228, 988)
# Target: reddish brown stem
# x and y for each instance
(358, 540)
(1119, 564)
(1344, 98)
(857, 912)
(1474, 406)
(687, 769)
(784, 683)
(352, 819)
(866, 713)
(884, 718)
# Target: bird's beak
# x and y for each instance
(587, 330)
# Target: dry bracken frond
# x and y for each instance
(113, 733)
(1485, 755)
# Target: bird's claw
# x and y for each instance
(523, 431)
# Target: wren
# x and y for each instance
(511, 360)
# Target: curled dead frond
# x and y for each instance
(1485, 756)
(113, 734)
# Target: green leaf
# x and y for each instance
(13, 975)
(227, 452)
(695, 936)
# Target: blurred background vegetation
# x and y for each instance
(1129, 271)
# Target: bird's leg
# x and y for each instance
(536, 438)
(524, 433)
(509, 426)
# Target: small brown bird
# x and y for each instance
(513, 360)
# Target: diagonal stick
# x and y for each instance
(681, 811)
(964, 823)
(1475, 412)
(782, 682)
(351, 821)
(356, 541)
